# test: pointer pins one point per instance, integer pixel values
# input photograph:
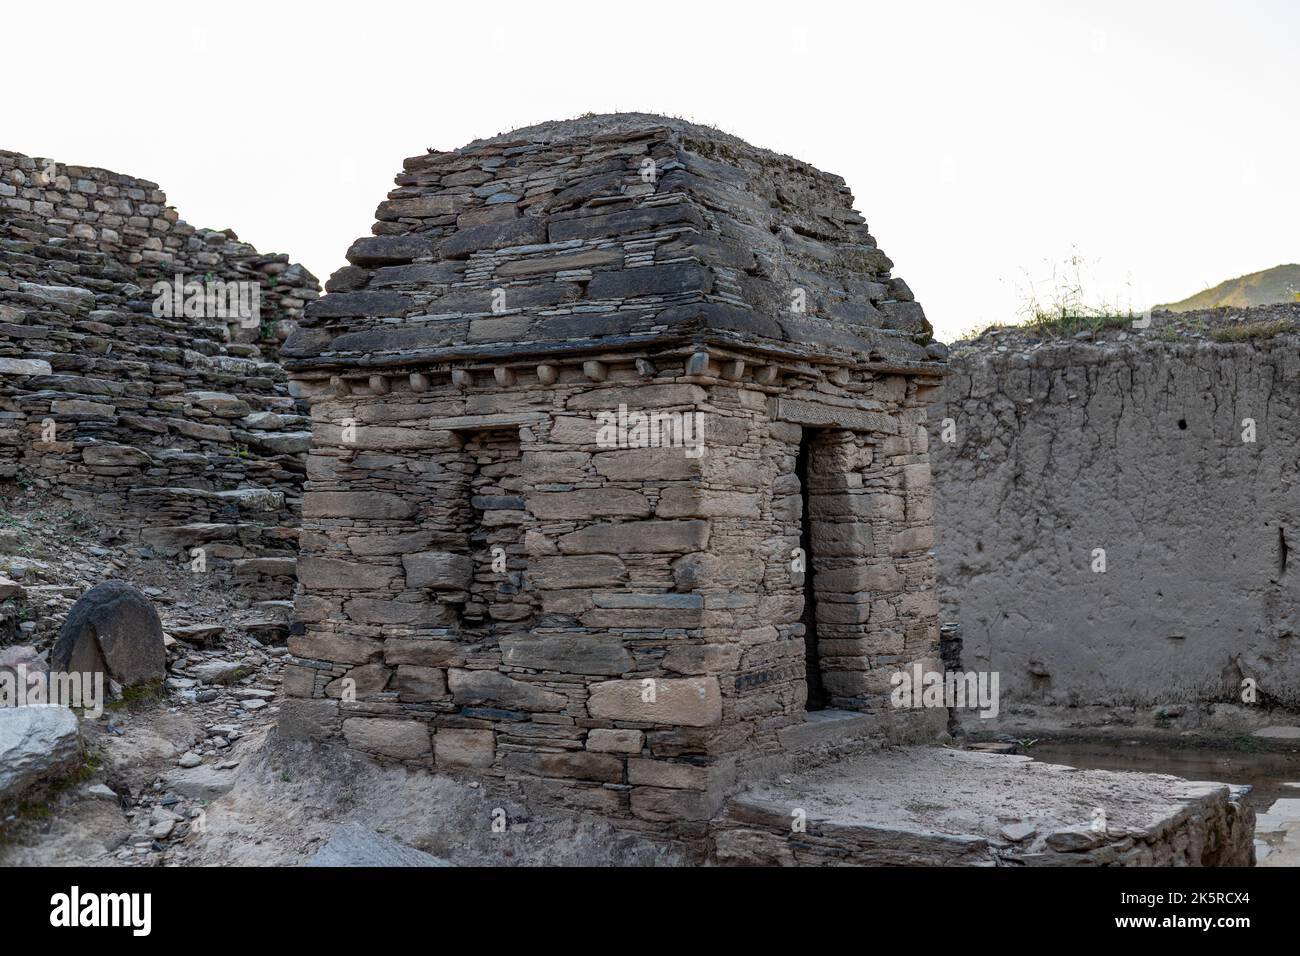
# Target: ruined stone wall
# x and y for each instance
(182, 424)
(1132, 443)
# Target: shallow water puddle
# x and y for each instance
(1275, 778)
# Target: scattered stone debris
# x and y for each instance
(132, 751)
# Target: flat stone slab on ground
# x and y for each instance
(204, 782)
(355, 845)
(197, 633)
(1278, 816)
(932, 805)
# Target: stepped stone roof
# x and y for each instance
(609, 233)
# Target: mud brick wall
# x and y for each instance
(1133, 445)
(183, 425)
(646, 637)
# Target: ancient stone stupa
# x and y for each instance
(619, 481)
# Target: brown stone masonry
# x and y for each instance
(571, 404)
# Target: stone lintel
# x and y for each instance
(819, 415)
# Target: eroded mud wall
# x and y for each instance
(1140, 448)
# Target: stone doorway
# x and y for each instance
(816, 698)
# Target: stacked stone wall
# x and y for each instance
(621, 566)
(180, 428)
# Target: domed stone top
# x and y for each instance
(598, 125)
(612, 232)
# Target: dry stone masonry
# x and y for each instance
(585, 406)
(1173, 451)
(171, 423)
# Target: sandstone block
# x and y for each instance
(567, 653)
(604, 768)
(585, 503)
(417, 684)
(664, 773)
(356, 504)
(425, 653)
(308, 719)
(341, 648)
(454, 747)
(605, 740)
(331, 574)
(360, 682)
(438, 570)
(578, 571)
(688, 702)
(399, 739)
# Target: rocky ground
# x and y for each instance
(194, 774)
(158, 758)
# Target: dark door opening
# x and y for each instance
(812, 661)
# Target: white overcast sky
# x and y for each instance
(984, 141)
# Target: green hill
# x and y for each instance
(1270, 287)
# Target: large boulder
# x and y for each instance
(113, 629)
(37, 744)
